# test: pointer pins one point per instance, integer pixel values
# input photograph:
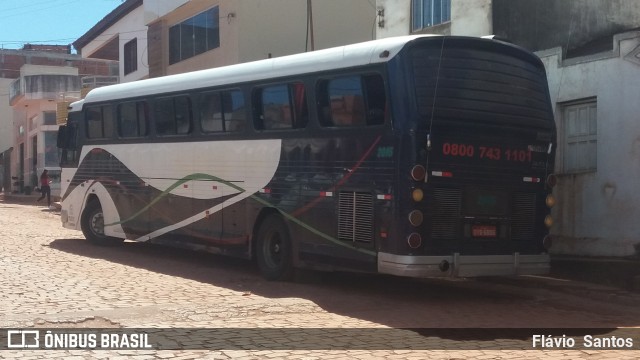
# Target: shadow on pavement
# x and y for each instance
(391, 301)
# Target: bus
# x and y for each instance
(416, 156)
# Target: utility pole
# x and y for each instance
(310, 23)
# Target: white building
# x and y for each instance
(598, 117)
(119, 36)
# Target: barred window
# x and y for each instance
(427, 13)
(580, 129)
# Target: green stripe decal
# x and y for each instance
(200, 176)
(196, 176)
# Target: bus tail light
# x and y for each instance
(550, 201)
(548, 221)
(552, 180)
(417, 195)
(547, 242)
(418, 172)
(416, 217)
(414, 240)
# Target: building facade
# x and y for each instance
(591, 52)
(120, 36)
(193, 35)
(36, 81)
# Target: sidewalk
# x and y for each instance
(611, 271)
(29, 200)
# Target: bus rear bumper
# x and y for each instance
(463, 265)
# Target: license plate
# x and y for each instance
(485, 231)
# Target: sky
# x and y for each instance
(59, 22)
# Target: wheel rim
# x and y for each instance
(273, 249)
(97, 223)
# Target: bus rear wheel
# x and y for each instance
(273, 249)
(92, 224)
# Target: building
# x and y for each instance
(37, 81)
(119, 36)
(192, 35)
(154, 38)
(591, 51)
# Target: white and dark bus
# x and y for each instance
(419, 156)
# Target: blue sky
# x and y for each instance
(58, 22)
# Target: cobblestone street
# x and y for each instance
(53, 278)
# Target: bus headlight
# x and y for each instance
(548, 221)
(416, 217)
(550, 201)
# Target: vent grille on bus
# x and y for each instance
(523, 217)
(355, 217)
(445, 222)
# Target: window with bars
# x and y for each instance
(580, 130)
(427, 13)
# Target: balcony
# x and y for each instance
(98, 81)
(91, 82)
(42, 87)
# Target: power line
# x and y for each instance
(39, 9)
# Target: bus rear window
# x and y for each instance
(352, 101)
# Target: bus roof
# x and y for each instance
(327, 59)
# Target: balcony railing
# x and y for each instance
(98, 81)
(46, 87)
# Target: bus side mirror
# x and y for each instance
(63, 137)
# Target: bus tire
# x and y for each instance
(92, 224)
(274, 252)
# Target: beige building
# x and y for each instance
(38, 81)
(193, 35)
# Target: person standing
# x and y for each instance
(44, 187)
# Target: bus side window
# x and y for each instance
(173, 116)
(222, 111)
(376, 99)
(183, 114)
(132, 119)
(341, 102)
(99, 122)
(211, 112)
(282, 107)
(233, 106)
(352, 101)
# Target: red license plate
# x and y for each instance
(486, 231)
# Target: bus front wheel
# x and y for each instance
(273, 249)
(92, 223)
